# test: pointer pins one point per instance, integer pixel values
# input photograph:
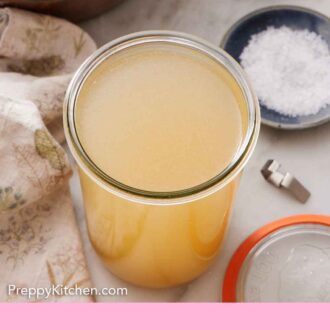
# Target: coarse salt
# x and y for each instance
(289, 70)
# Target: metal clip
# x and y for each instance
(271, 173)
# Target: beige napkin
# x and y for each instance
(40, 243)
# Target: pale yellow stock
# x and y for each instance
(159, 117)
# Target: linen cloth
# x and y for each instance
(40, 244)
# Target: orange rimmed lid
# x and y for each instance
(283, 229)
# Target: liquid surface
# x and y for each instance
(160, 117)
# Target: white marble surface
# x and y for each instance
(304, 153)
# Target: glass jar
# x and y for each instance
(158, 239)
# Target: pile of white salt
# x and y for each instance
(289, 70)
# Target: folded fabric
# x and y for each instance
(40, 245)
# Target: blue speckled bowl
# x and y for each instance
(296, 18)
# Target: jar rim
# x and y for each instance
(152, 197)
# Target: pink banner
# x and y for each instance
(165, 316)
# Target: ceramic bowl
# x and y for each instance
(296, 18)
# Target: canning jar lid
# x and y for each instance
(285, 261)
